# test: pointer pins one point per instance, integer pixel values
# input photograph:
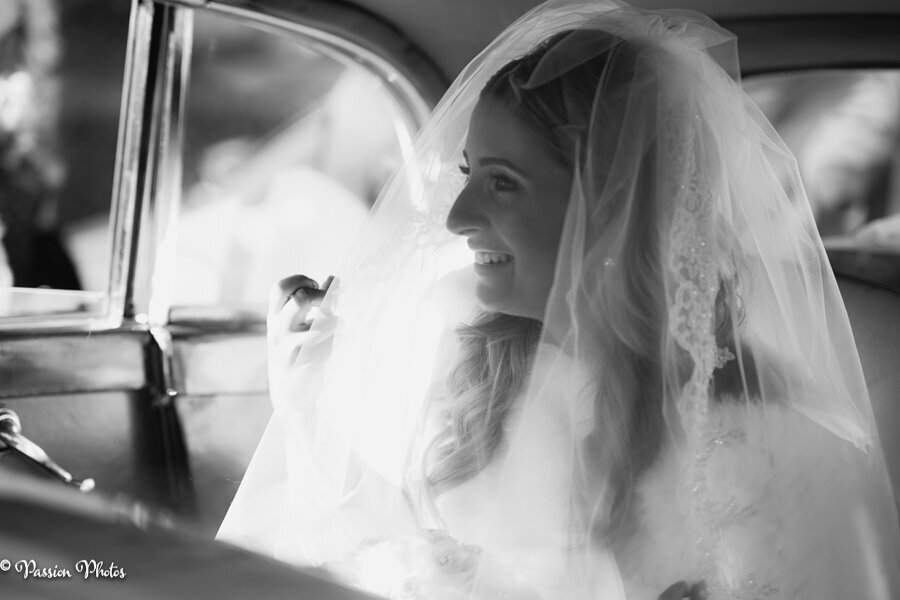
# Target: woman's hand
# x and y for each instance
(683, 590)
(293, 306)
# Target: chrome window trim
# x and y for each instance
(164, 193)
(147, 181)
(334, 30)
(129, 158)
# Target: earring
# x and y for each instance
(609, 262)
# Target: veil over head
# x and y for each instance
(690, 407)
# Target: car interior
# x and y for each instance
(147, 375)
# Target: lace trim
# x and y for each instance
(693, 266)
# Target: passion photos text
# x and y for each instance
(84, 569)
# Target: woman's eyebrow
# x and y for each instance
(490, 160)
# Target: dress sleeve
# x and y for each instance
(308, 497)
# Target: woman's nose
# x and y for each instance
(466, 216)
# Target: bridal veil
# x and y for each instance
(693, 391)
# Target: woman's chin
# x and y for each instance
(506, 305)
(491, 303)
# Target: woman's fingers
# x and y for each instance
(291, 301)
(293, 306)
(287, 288)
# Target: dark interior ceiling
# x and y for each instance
(452, 32)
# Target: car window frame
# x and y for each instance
(146, 185)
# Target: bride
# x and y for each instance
(645, 386)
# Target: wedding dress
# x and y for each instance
(693, 407)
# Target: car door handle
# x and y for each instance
(11, 435)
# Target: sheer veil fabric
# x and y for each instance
(693, 407)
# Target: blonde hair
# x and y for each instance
(496, 352)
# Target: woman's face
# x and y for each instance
(511, 210)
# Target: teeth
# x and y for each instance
(491, 258)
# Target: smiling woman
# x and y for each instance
(645, 386)
(511, 210)
(678, 408)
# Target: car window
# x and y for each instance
(844, 128)
(61, 74)
(285, 150)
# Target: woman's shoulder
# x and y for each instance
(772, 482)
(762, 427)
(758, 401)
(758, 452)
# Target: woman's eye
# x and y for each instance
(500, 183)
(465, 170)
